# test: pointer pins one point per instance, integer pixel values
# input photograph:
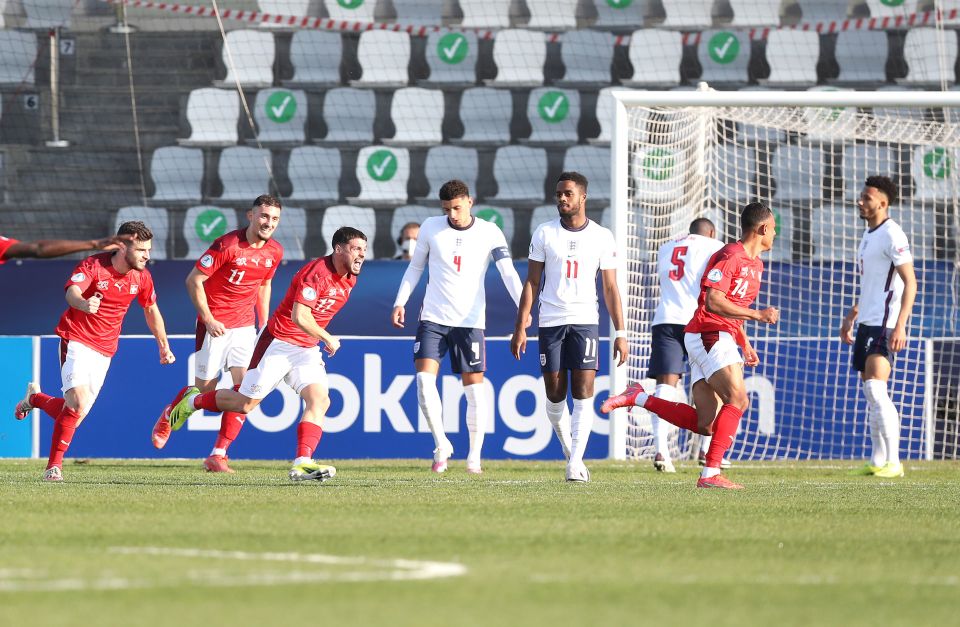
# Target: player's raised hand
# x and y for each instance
(518, 343)
(332, 345)
(91, 305)
(214, 327)
(770, 315)
(396, 316)
(166, 355)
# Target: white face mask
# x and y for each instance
(408, 246)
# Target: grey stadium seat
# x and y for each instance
(553, 115)
(244, 173)
(485, 113)
(315, 56)
(177, 174)
(724, 56)
(452, 58)
(349, 114)
(156, 218)
(450, 162)
(281, 116)
(520, 172)
(587, 56)
(862, 56)
(314, 173)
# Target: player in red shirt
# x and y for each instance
(287, 350)
(99, 293)
(46, 248)
(230, 282)
(730, 284)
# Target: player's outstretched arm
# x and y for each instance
(302, 316)
(159, 330)
(611, 296)
(198, 297)
(518, 343)
(898, 338)
(846, 327)
(47, 248)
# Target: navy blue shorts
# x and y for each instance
(870, 341)
(668, 355)
(467, 347)
(569, 347)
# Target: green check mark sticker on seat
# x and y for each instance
(453, 48)
(281, 106)
(658, 164)
(382, 165)
(723, 47)
(350, 4)
(210, 225)
(619, 4)
(553, 106)
(937, 164)
(491, 215)
(891, 3)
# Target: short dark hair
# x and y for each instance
(266, 200)
(346, 233)
(138, 229)
(753, 215)
(576, 177)
(885, 185)
(702, 226)
(453, 189)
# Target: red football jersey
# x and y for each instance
(236, 270)
(738, 276)
(318, 286)
(96, 275)
(5, 243)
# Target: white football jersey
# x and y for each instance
(881, 288)
(680, 266)
(572, 260)
(457, 261)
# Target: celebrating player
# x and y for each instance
(287, 350)
(457, 248)
(99, 293)
(567, 254)
(729, 286)
(680, 266)
(888, 287)
(46, 248)
(228, 284)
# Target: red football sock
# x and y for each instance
(63, 431)
(680, 414)
(230, 425)
(50, 405)
(208, 401)
(724, 429)
(308, 436)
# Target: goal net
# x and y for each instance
(679, 156)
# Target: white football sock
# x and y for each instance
(888, 418)
(560, 419)
(218, 451)
(428, 398)
(705, 443)
(581, 422)
(878, 454)
(708, 472)
(476, 419)
(662, 428)
(301, 460)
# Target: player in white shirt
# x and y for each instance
(888, 287)
(680, 266)
(456, 248)
(567, 254)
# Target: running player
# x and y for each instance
(46, 248)
(229, 283)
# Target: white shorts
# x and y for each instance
(81, 365)
(215, 354)
(706, 358)
(297, 366)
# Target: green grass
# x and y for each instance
(804, 544)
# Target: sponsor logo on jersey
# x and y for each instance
(309, 293)
(134, 288)
(206, 261)
(241, 261)
(269, 263)
(333, 291)
(102, 285)
(714, 275)
(255, 261)
(78, 277)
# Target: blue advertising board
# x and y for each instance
(16, 369)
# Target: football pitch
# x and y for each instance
(387, 543)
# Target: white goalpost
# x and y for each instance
(680, 155)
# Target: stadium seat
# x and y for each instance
(763, 135)
(291, 232)
(798, 172)
(213, 114)
(736, 173)
(658, 174)
(751, 13)
(655, 56)
(156, 218)
(520, 172)
(452, 59)
(825, 122)
(383, 56)
(886, 8)
(594, 163)
(177, 174)
(485, 13)
(604, 115)
(552, 15)
(822, 10)
(541, 214)
(835, 232)
(922, 51)
(587, 56)
(314, 174)
(934, 171)
(724, 56)
(362, 11)
(553, 115)
(248, 56)
(18, 58)
(501, 216)
(485, 113)
(863, 160)
(406, 214)
(450, 162)
(315, 56)
(783, 244)
(286, 8)
(792, 56)
(519, 56)
(47, 14)
(383, 173)
(348, 114)
(419, 12)
(244, 172)
(912, 113)
(281, 116)
(205, 223)
(417, 116)
(687, 14)
(620, 16)
(606, 218)
(861, 56)
(920, 227)
(362, 218)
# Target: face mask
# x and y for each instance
(408, 246)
